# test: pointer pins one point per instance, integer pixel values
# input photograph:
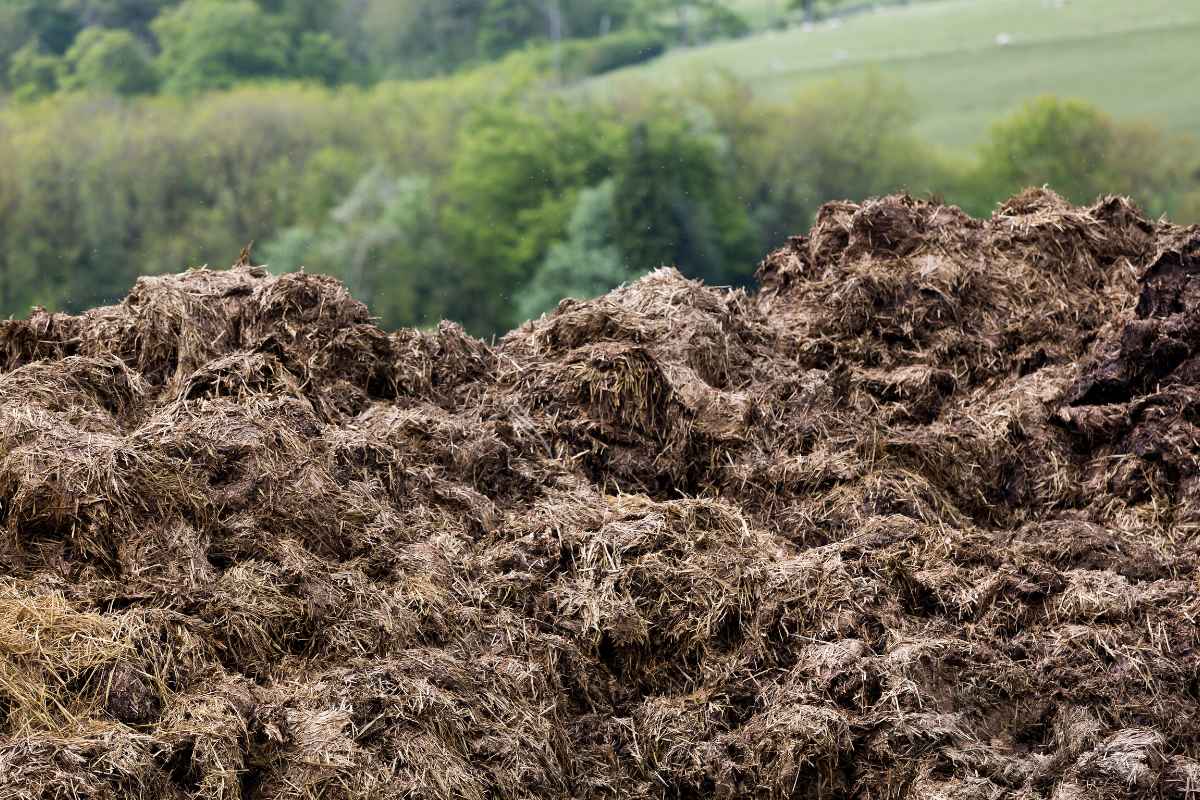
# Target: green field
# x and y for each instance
(1135, 60)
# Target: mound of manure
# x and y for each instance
(919, 518)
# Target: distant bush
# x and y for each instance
(1081, 152)
(32, 73)
(586, 57)
(111, 61)
(211, 44)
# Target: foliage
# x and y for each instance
(1062, 143)
(675, 204)
(720, 22)
(131, 15)
(483, 197)
(585, 57)
(382, 240)
(413, 38)
(507, 24)
(52, 23)
(32, 73)
(307, 15)
(213, 44)
(514, 184)
(838, 141)
(109, 60)
(693, 22)
(587, 264)
(1082, 153)
(14, 34)
(321, 57)
(816, 9)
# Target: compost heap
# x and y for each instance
(919, 518)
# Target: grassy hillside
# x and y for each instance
(1132, 59)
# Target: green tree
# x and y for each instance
(212, 44)
(14, 34)
(290, 249)
(326, 178)
(32, 73)
(833, 141)
(692, 21)
(55, 23)
(306, 15)
(815, 8)
(131, 15)
(507, 24)
(674, 205)
(1081, 153)
(587, 264)
(321, 57)
(109, 60)
(383, 240)
(1063, 143)
(516, 176)
(422, 37)
(589, 18)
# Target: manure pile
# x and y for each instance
(920, 518)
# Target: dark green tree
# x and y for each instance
(305, 15)
(815, 8)
(508, 24)
(321, 57)
(131, 15)
(15, 33)
(691, 21)
(674, 207)
(588, 18)
(55, 23)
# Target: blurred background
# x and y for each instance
(478, 160)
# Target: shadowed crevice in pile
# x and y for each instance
(918, 519)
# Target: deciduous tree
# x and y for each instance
(212, 44)
(109, 60)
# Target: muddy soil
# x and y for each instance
(918, 518)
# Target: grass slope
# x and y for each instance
(1132, 59)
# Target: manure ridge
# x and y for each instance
(919, 518)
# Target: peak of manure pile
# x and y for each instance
(920, 518)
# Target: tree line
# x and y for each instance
(485, 198)
(132, 47)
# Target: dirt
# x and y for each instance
(918, 518)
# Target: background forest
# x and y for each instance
(478, 160)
